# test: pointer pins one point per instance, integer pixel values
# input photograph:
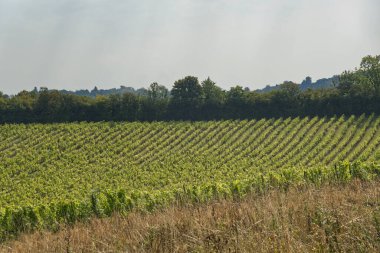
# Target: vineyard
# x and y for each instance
(65, 172)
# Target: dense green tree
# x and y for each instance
(187, 90)
(370, 72)
(186, 98)
(157, 92)
(116, 108)
(236, 95)
(290, 89)
(50, 105)
(236, 103)
(3, 107)
(364, 81)
(213, 99)
(130, 106)
(285, 101)
(154, 106)
(212, 94)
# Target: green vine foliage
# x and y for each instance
(61, 173)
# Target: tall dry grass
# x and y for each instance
(332, 218)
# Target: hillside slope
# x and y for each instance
(45, 163)
(323, 83)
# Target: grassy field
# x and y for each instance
(65, 172)
(330, 218)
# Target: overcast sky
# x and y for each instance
(76, 44)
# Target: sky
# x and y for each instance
(79, 44)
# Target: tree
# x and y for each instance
(370, 69)
(186, 98)
(236, 95)
(285, 101)
(187, 90)
(363, 82)
(212, 94)
(157, 92)
(290, 89)
(49, 105)
(346, 82)
(130, 105)
(115, 107)
(213, 99)
(154, 107)
(236, 102)
(3, 103)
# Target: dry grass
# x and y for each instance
(330, 218)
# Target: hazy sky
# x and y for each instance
(75, 44)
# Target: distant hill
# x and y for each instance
(96, 92)
(308, 84)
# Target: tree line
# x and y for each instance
(356, 92)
